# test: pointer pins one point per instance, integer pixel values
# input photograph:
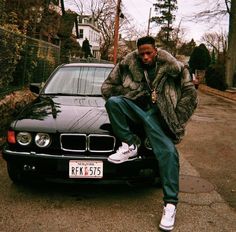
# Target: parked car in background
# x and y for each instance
(65, 134)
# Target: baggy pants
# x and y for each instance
(120, 110)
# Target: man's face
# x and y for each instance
(147, 53)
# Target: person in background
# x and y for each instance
(199, 62)
(151, 88)
(86, 48)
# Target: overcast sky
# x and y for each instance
(139, 10)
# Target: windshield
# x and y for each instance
(77, 81)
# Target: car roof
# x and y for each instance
(89, 65)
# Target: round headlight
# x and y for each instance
(24, 138)
(42, 139)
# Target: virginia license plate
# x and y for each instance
(85, 169)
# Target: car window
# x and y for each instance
(77, 80)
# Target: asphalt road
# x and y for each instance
(209, 147)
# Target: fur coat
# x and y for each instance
(177, 97)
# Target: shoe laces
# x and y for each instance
(124, 149)
(169, 212)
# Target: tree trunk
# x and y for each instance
(231, 54)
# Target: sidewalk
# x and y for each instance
(202, 211)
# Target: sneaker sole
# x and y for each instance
(122, 161)
(165, 228)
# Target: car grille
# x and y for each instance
(91, 143)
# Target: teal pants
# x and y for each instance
(121, 111)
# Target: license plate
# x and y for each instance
(85, 169)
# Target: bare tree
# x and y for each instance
(103, 12)
(177, 38)
(217, 42)
(231, 54)
(215, 12)
(105, 16)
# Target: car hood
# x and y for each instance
(64, 114)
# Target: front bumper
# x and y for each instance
(57, 166)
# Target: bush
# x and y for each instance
(11, 45)
(24, 60)
(215, 77)
(200, 58)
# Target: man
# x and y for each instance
(149, 86)
(86, 48)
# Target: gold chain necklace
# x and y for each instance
(153, 91)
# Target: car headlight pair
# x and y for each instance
(41, 139)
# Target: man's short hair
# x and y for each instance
(146, 40)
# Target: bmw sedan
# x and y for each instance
(65, 134)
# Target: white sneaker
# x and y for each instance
(168, 217)
(124, 153)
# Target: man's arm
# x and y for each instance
(113, 84)
(188, 101)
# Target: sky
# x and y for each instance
(139, 10)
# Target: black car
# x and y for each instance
(65, 134)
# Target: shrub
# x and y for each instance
(11, 46)
(215, 77)
(200, 58)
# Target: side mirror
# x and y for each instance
(35, 87)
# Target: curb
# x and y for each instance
(226, 94)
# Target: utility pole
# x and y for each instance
(149, 20)
(116, 32)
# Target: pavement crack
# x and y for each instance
(203, 204)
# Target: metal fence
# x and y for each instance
(24, 60)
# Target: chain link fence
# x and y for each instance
(24, 60)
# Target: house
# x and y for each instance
(87, 28)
